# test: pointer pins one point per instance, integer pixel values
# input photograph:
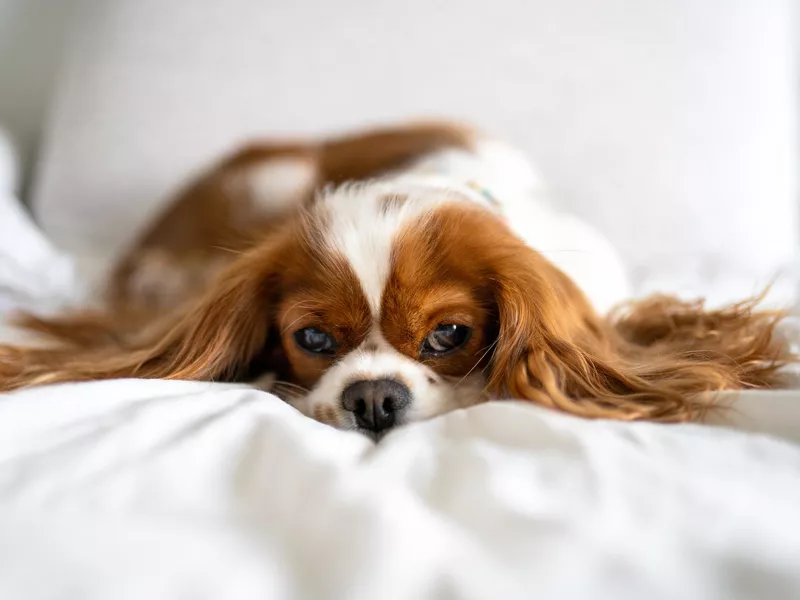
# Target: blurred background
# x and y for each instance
(671, 126)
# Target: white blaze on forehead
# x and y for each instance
(363, 225)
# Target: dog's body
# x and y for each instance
(391, 276)
(250, 192)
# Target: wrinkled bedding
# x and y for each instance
(149, 489)
(167, 490)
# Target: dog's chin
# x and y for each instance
(375, 436)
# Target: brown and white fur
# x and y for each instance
(377, 243)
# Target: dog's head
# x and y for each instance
(384, 303)
(379, 305)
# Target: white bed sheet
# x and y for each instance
(151, 489)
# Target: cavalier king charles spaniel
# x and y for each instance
(390, 276)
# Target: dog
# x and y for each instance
(392, 275)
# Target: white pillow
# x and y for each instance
(669, 126)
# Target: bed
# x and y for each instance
(168, 490)
(143, 489)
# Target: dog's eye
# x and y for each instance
(315, 341)
(445, 338)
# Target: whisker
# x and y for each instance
(299, 303)
(489, 347)
(289, 326)
(482, 356)
(288, 384)
(287, 395)
(229, 250)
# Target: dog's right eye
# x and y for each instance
(315, 341)
(445, 338)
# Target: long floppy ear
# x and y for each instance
(214, 338)
(659, 359)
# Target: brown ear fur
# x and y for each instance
(657, 359)
(213, 339)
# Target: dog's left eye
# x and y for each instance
(315, 341)
(445, 338)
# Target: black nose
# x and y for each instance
(376, 403)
